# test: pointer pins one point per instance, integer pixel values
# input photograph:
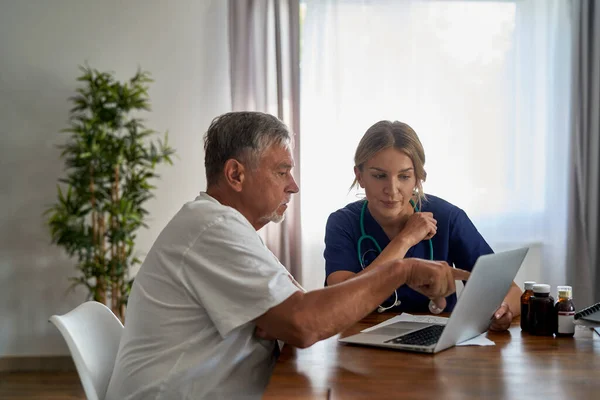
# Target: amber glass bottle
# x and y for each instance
(525, 305)
(566, 311)
(542, 315)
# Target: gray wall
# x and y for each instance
(182, 43)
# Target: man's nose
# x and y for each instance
(293, 187)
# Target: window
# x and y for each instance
(485, 86)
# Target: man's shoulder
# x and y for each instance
(205, 211)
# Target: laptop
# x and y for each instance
(490, 280)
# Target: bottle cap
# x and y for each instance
(564, 291)
(541, 288)
(529, 285)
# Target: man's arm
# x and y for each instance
(305, 318)
(396, 249)
(420, 226)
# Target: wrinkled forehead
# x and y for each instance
(278, 155)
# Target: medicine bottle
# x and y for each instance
(525, 305)
(542, 315)
(566, 311)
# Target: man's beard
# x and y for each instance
(274, 217)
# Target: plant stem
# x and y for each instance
(114, 246)
(100, 279)
(100, 293)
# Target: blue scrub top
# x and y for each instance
(457, 242)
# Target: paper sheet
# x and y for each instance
(480, 340)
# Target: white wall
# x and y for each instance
(182, 43)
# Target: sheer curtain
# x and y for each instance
(264, 50)
(484, 84)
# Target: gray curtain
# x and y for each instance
(264, 44)
(583, 262)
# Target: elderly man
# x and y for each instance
(210, 298)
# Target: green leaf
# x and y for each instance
(94, 212)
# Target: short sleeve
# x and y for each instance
(466, 243)
(230, 271)
(340, 248)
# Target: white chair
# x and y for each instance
(92, 333)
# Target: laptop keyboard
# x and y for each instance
(422, 337)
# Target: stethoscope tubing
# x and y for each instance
(364, 236)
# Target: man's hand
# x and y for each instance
(262, 334)
(502, 318)
(437, 306)
(433, 279)
(305, 318)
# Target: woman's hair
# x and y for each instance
(385, 134)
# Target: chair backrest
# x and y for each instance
(92, 333)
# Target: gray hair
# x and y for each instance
(243, 136)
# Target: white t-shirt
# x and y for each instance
(188, 329)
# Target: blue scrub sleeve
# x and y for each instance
(340, 247)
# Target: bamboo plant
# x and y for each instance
(110, 159)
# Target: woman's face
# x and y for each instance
(389, 180)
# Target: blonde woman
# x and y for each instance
(397, 220)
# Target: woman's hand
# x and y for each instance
(502, 318)
(420, 226)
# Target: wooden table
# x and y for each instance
(519, 366)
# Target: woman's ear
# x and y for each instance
(234, 173)
(358, 176)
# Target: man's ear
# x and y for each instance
(358, 176)
(234, 173)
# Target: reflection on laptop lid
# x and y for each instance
(487, 286)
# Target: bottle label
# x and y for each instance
(565, 322)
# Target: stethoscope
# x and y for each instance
(361, 257)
